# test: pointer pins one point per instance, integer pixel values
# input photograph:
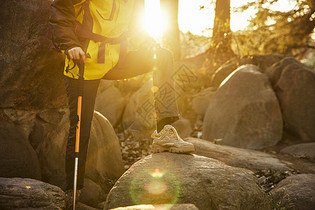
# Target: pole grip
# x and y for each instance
(81, 69)
(78, 128)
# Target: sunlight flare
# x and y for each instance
(154, 19)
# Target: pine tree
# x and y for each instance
(221, 36)
(275, 31)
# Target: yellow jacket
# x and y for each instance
(109, 19)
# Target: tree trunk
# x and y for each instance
(171, 33)
(221, 37)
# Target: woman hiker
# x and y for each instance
(106, 36)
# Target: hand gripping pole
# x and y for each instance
(78, 130)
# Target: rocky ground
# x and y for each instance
(133, 149)
(259, 123)
(124, 138)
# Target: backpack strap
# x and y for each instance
(85, 29)
(84, 32)
(112, 12)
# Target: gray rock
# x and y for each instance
(183, 127)
(51, 116)
(238, 157)
(82, 206)
(17, 157)
(37, 134)
(223, 72)
(30, 68)
(178, 179)
(52, 148)
(139, 115)
(23, 119)
(244, 111)
(306, 150)
(201, 100)
(18, 193)
(262, 61)
(265, 61)
(104, 85)
(111, 104)
(160, 207)
(92, 194)
(45, 123)
(104, 161)
(295, 192)
(140, 112)
(294, 84)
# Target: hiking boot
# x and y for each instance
(168, 140)
(69, 198)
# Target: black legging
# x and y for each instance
(89, 94)
(135, 63)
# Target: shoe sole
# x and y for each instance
(158, 149)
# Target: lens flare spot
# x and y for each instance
(156, 183)
(156, 187)
(157, 173)
(154, 89)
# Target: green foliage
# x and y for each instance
(275, 31)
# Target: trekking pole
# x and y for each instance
(78, 129)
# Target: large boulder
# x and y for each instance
(104, 85)
(24, 119)
(295, 192)
(111, 104)
(201, 100)
(244, 111)
(52, 148)
(159, 207)
(265, 61)
(45, 124)
(17, 157)
(18, 193)
(306, 150)
(178, 179)
(82, 206)
(104, 161)
(183, 127)
(223, 72)
(294, 84)
(92, 194)
(140, 110)
(262, 61)
(29, 68)
(139, 115)
(238, 157)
